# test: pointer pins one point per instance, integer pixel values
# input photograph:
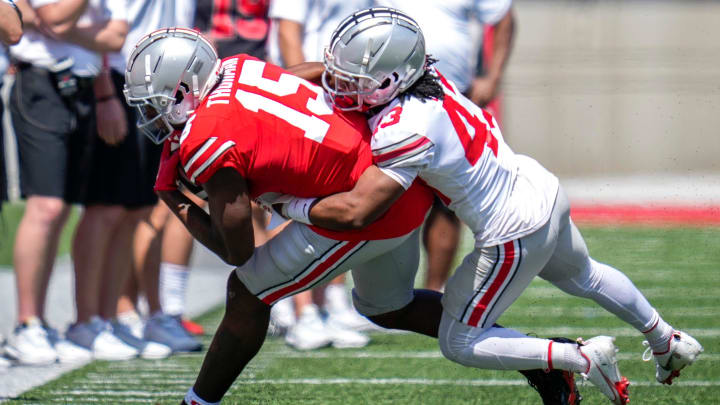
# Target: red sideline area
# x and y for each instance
(645, 215)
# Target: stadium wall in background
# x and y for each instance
(616, 87)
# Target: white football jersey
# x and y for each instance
(457, 149)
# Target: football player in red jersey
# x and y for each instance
(257, 133)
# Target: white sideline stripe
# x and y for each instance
(366, 381)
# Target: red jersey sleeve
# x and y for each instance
(207, 145)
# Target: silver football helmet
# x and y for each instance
(374, 54)
(168, 74)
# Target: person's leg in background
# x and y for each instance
(177, 247)
(144, 283)
(106, 165)
(441, 236)
(42, 123)
(118, 268)
(165, 287)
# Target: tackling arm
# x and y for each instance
(372, 195)
(227, 230)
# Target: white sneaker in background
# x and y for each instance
(168, 330)
(147, 349)
(96, 336)
(4, 363)
(338, 306)
(602, 368)
(67, 352)
(343, 337)
(309, 332)
(351, 319)
(282, 317)
(682, 350)
(29, 344)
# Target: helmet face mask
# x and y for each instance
(373, 55)
(169, 72)
(347, 90)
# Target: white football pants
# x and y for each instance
(297, 259)
(490, 279)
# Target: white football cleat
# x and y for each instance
(681, 352)
(602, 368)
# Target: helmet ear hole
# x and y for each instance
(385, 84)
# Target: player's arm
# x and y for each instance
(227, 230)
(310, 71)
(290, 37)
(372, 195)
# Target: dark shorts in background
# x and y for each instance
(54, 135)
(124, 174)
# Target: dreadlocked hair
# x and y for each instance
(427, 87)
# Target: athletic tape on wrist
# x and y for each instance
(298, 209)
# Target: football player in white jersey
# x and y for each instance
(423, 127)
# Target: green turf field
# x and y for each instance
(676, 268)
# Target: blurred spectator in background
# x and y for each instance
(448, 31)
(52, 107)
(127, 170)
(234, 26)
(299, 33)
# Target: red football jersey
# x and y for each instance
(281, 133)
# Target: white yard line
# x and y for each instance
(427, 355)
(364, 381)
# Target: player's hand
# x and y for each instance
(109, 112)
(168, 171)
(111, 121)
